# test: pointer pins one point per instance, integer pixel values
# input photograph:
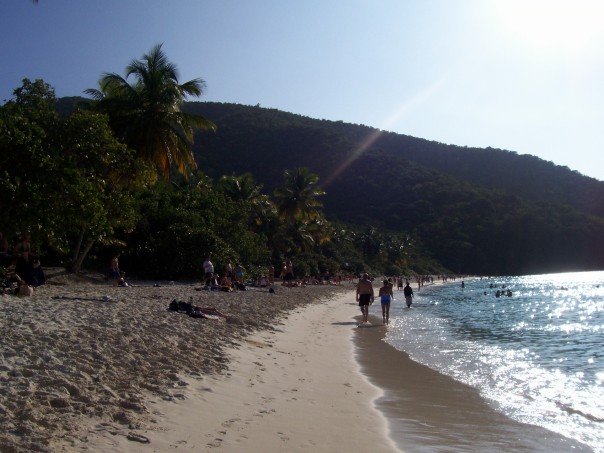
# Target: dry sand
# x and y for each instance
(297, 389)
(72, 363)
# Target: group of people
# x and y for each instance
(365, 296)
(24, 269)
(232, 279)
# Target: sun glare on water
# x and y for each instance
(553, 24)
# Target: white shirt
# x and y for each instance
(208, 266)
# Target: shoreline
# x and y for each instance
(295, 388)
(428, 411)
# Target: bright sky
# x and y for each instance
(526, 76)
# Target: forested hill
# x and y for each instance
(479, 210)
(475, 210)
(292, 136)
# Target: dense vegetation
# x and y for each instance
(95, 180)
(262, 185)
(475, 210)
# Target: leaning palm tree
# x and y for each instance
(297, 198)
(146, 112)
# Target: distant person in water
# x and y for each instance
(386, 297)
(408, 292)
(365, 296)
(463, 284)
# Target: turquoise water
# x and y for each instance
(537, 356)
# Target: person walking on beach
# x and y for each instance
(386, 297)
(365, 296)
(408, 292)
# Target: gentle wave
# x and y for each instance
(537, 356)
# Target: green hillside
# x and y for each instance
(477, 210)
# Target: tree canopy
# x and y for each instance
(146, 112)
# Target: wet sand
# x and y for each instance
(430, 412)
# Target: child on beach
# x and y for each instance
(386, 297)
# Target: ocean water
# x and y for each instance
(537, 356)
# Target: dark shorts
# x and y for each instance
(289, 276)
(364, 299)
(409, 300)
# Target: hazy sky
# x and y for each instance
(527, 76)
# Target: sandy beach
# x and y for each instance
(294, 388)
(88, 366)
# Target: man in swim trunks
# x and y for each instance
(408, 291)
(386, 297)
(365, 296)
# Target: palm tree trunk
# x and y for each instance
(76, 250)
(77, 264)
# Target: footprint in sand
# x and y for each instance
(229, 423)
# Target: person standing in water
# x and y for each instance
(365, 296)
(408, 292)
(386, 297)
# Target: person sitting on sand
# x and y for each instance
(386, 297)
(214, 282)
(226, 284)
(364, 296)
(23, 289)
(37, 277)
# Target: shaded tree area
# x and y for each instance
(66, 181)
(84, 195)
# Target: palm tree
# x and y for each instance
(297, 198)
(241, 188)
(146, 113)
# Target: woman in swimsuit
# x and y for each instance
(386, 297)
